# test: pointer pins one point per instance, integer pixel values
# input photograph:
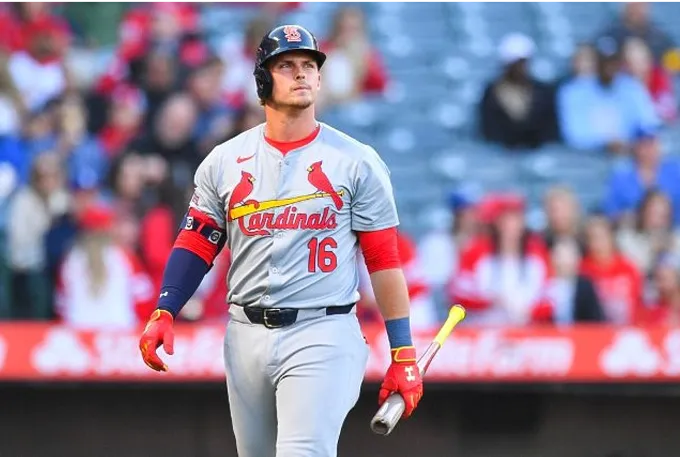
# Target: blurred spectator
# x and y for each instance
(160, 29)
(125, 230)
(30, 215)
(503, 277)
(245, 118)
(62, 128)
(157, 26)
(238, 54)
(214, 116)
(213, 291)
(635, 23)
(354, 66)
(159, 81)
(64, 229)
(23, 22)
(652, 237)
(517, 110)
(14, 165)
(604, 111)
(209, 303)
(38, 77)
(102, 285)
(123, 121)
(571, 294)
(664, 308)
(12, 107)
(632, 177)
(584, 61)
(423, 312)
(563, 212)
(617, 281)
(126, 183)
(172, 142)
(439, 250)
(159, 227)
(639, 62)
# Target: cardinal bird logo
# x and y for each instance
(319, 180)
(241, 192)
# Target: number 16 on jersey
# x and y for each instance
(321, 255)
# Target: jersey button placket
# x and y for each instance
(277, 236)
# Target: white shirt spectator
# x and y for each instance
(113, 306)
(37, 82)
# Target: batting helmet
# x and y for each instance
(279, 40)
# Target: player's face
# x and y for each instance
(296, 80)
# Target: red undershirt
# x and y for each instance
(286, 146)
(379, 247)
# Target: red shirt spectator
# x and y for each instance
(617, 280)
(154, 24)
(214, 293)
(503, 276)
(124, 120)
(664, 308)
(154, 21)
(423, 313)
(660, 86)
(24, 22)
(157, 235)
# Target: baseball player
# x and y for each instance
(293, 199)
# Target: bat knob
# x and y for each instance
(388, 415)
(380, 427)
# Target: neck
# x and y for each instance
(289, 125)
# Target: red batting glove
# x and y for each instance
(157, 331)
(403, 377)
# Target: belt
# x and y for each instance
(283, 317)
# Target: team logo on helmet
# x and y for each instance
(292, 34)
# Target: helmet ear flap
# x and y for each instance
(264, 82)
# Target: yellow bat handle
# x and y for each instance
(456, 314)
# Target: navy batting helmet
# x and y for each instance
(279, 40)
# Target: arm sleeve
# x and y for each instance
(379, 249)
(373, 206)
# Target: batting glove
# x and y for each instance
(403, 377)
(157, 331)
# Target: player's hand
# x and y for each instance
(403, 377)
(157, 331)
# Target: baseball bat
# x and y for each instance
(391, 410)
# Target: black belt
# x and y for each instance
(283, 317)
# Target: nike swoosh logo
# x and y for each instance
(243, 159)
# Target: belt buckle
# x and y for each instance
(265, 317)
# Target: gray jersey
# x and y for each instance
(290, 220)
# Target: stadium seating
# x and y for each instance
(439, 57)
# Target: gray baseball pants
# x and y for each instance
(291, 388)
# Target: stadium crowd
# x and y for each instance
(96, 169)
